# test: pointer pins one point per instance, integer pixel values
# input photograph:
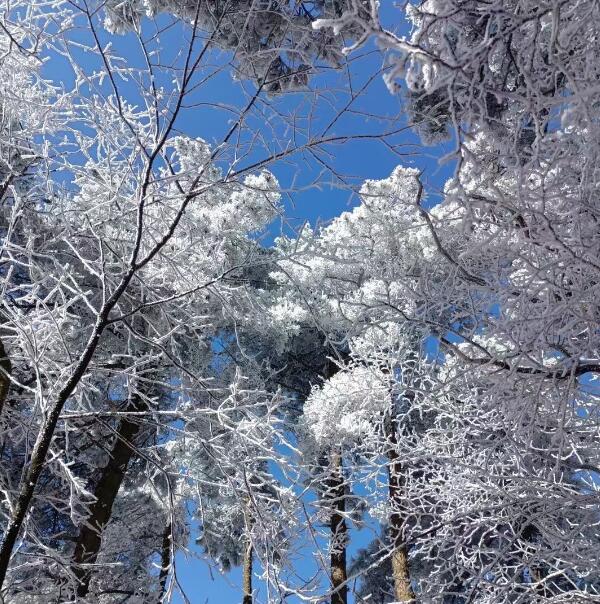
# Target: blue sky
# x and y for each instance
(317, 200)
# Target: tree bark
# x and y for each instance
(165, 560)
(336, 494)
(339, 531)
(247, 574)
(89, 540)
(403, 591)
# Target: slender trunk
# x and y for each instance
(339, 530)
(336, 494)
(247, 574)
(165, 560)
(403, 591)
(89, 540)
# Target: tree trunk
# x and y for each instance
(339, 531)
(90, 536)
(403, 591)
(165, 560)
(336, 494)
(247, 574)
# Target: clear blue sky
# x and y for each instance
(358, 160)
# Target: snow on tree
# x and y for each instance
(273, 43)
(129, 249)
(233, 449)
(513, 85)
(428, 373)
(343, 408)
(352, 276)
(112, 277)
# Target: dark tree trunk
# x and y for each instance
(403, 591)
(247, 574)
(165, 560)
(89, 540)
(336, 495)
(339, 531)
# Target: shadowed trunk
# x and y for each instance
(247, 574)
(403, 591)
(165, 560)
(90, 536)
(339, 530)
(336, 494)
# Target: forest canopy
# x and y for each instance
(299, 301)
